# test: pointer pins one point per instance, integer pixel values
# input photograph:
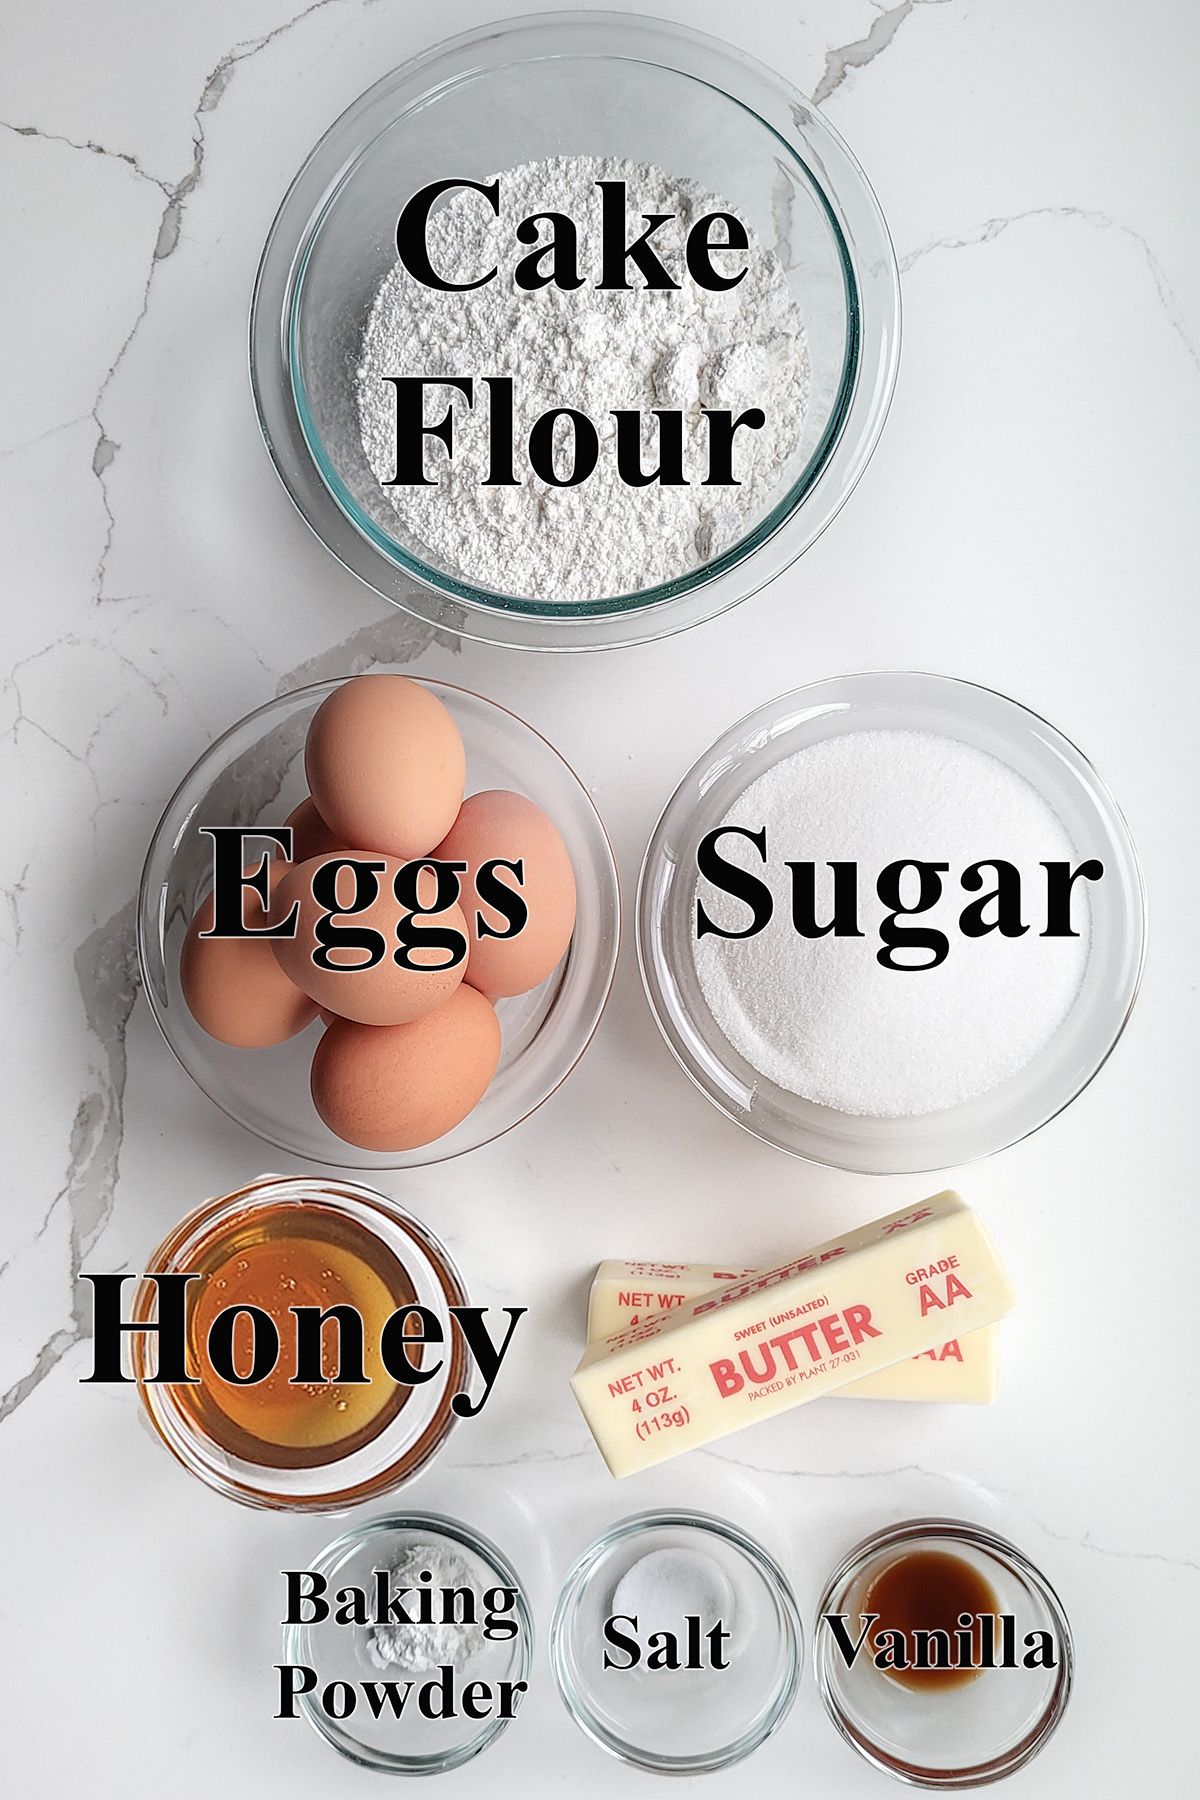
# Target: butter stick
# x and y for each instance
(964, 1371)
(765, 1343)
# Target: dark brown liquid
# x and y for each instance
(276, 1258)
(927, 1590)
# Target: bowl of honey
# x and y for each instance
(306, 1356)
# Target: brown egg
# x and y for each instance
(386, 993)
(386, 765)
(234, 987)
(508, 826)
(311, 836)
(396, 1087)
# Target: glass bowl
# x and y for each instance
(952, 1135)
(254, 774)
(687, 1721)
(553, 84)
(338, 1212)
(955, 1737)
(340, 1654)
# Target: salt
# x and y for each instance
(820, 1017)
(663, 1587)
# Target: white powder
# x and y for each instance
(664, 1586)
(595, 351)
(821, 1017)
(419, 1648)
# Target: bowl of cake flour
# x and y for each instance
(891, 922)
(574, 331)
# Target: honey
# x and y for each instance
(275, 1259)
(930, 1592)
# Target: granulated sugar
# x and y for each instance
(821, 1017)
(596, 351)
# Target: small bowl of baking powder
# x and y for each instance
(891, 922)
(574, 331)
(407, 1644)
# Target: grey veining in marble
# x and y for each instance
(1029, 522)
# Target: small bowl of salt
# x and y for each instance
(676, 1644)
(574, 331)
(891, 922)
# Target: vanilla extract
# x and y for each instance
(931, 1621)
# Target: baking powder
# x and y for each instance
(419, 1648)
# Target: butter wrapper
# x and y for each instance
(770, 1341)
(963, 1371)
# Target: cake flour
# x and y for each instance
(596, 351)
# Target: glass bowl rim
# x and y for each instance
(146, 910)
(437, 1524)
(473, 593)
(867, 379)
(329, 1193)
(980, 1537)
(649, 939)
(774, 1578)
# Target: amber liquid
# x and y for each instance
(277, 1258)
(927, 1590)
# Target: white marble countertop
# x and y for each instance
(1029, 521)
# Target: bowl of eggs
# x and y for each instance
(378, 921)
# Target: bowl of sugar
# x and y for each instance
(574, 330)
(891, 922)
